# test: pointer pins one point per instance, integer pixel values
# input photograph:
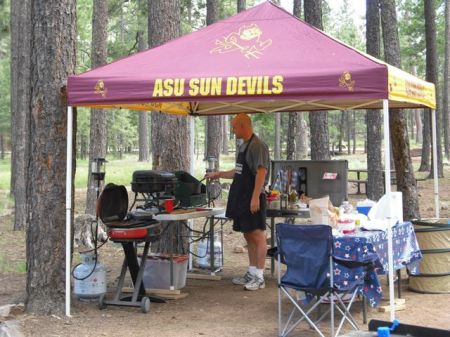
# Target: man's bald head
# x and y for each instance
(242, 126)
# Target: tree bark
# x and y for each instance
(406, 182)
(301, 142)
(52, 60)
(2, 146)
(144, 151)
(297, 10)
(170, 134)
(374, 118)
(20, 107)
(241, 5)
(446, 90)
(318, 121)
(301, 137)
(277, 149)
(291, 136)
(97, 137)
(432, 76)
(213, 123)
(226, 131)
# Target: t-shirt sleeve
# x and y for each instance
(258, 156)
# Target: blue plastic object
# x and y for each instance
(363, 209)
(395, 324)
(383, 331)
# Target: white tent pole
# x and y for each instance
(387, 175)
(435, 164)
(68, 203)
(192, 144)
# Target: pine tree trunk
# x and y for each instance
(226, 131)
(277, 149)
(53, 30)
(354, 131)
(406, 182)
(241, 5)
(318, 121)
(446, 91)
(170, 134)
(144, 152)
(374, 120)
(97, 137)
(348, 130)
(301, 142)
(418, 120)
(214, 123)
(301, 137)
(297, 10)
(432, 76)
(291, 136)
(2, 146)
(20, 107)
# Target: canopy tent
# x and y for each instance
(260, 60)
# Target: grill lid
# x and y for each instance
(112, 205)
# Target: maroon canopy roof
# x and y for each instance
(263, 57)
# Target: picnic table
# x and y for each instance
(362, 180)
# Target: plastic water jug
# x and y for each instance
(203, 252)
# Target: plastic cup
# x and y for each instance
(169, 205)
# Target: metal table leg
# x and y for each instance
(272, 244)
(211, 245)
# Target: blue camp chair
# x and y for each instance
(307, 251)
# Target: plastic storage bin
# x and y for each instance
(157, 271)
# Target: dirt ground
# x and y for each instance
(212, 308)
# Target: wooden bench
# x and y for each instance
(358, 183)
(363, 181)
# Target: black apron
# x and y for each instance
(241, 190)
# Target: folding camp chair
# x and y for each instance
(307, 251)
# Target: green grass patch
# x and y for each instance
(5, 174)
(7, 266)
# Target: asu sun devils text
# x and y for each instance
(218, 86)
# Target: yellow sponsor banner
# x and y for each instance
(174, 108)
(404, 87)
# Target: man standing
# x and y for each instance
(246, 202)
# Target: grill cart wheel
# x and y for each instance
(145, 304)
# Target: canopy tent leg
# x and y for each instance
(387, 174)
(435, 164)
(68, 203)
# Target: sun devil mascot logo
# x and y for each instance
(247, 40)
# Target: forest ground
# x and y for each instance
(212, 308)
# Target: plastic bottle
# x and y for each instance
(203, 252)
(346, 208)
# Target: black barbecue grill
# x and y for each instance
(112, 208)
(150, 187)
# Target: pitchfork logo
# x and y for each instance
(346, 81)
(248, 40)
(100, 88)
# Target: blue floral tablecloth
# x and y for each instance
(370, 248)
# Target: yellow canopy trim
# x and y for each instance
(173, 108)
(407, 88)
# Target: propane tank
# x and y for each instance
(203, 259)
(94, 285)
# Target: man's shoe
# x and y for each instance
(255, 284)
(243, 280)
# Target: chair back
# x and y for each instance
(306, 251)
